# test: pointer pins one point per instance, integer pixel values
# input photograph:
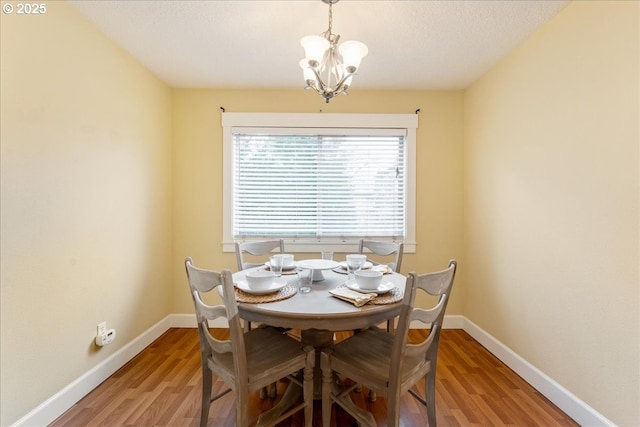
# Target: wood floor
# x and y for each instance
(161, 387)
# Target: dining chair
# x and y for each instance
(257, 248)
(249, 361)
(386, 363)
(384, 249)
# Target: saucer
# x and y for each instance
(383, 288)
(366, 265)
(318, 264)
(275, 286)
(288, 268)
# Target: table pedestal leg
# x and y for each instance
(291, 395)
(338, 393)
(318, 339)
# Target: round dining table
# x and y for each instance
(318, 309)
(317, 314)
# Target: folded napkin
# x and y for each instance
(382, 268)
(356, 298)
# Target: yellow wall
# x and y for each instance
(109, 179)
(551, 218)
(85, 207)
(197, 184)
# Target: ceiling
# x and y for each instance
(438, 45)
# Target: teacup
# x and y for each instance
(287, 260)
(368, 279)
(355, 262)
(259, 279)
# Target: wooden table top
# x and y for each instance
(318, 309)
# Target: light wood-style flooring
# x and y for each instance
(161, 387)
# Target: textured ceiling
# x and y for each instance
(255, 44)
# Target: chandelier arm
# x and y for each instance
(340, 87)
(319, 83)
(315, 89)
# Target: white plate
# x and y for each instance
(275, 286)
(291, 267)
(366, 265)
(382, 289)
(318, 264)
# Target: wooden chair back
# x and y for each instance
(257, 248)
(387, 363)
(384, 249)
(272, 355)
(204, 281)
(438, 284)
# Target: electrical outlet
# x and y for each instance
(102, 328)
(106, 338)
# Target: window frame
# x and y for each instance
(407, 122)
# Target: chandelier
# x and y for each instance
(329, 68)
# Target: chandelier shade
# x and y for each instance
(352, 53)
(314, 47)
(328, 68)
(307, 71)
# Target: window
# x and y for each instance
(319, 179)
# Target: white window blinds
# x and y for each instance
(314, 183)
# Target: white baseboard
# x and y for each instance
(582, 413)
(60, 402)
(57, 404)
(453, 322)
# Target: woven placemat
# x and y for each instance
(394, 295)
(283, 293)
